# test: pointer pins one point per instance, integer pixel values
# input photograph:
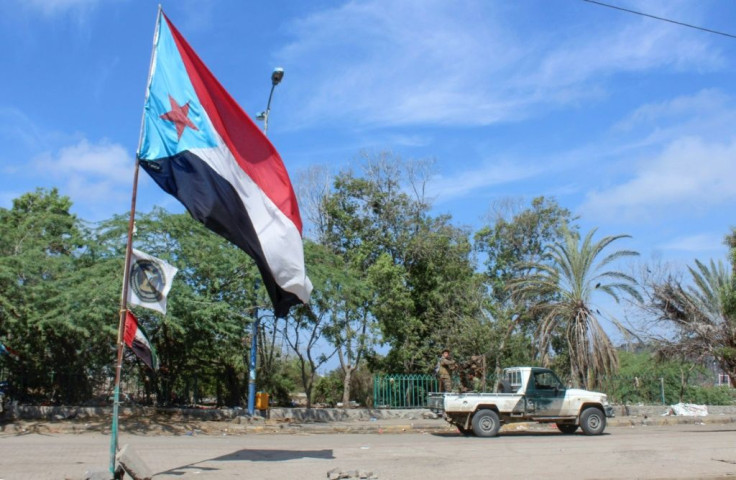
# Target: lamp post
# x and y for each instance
(276, 76)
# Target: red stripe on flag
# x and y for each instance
(251, 148)
(131, 327)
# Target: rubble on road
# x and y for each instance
(337, 474)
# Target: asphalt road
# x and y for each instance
(642, 452)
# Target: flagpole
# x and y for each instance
(276, 76)
(121, 323)
(126, 271)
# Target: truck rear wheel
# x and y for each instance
(486, 423)
(592, 421)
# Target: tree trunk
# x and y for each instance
(346, 387)
(501, 347)
(308, 392)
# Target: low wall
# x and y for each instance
(658, 410)
(297, 415)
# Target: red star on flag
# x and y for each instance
(179, 115)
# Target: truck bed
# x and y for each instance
(466, 402)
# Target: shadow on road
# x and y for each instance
(723, 430)
(253, 455)
(256, 455)
(551, 433)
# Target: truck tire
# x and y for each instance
(592, 421)
(486, 423)
(567, 428)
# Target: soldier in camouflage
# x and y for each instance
(446, 365)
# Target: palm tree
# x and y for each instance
(703, 314)
(559, 290)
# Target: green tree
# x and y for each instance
(343, 296)
(702, 313)
(417, 266)
(644, 374)
(53, 305)
(214, 296)
(566, 281)
(516, 237)
(303, 332)
(730, 242)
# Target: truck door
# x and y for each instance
(545, 394)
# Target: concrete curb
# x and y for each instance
(152, 421)
(246, 426)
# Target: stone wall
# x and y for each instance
(297, 415)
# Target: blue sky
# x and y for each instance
(627, 121)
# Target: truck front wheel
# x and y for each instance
(486, 423)
(592, 421)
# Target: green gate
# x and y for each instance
(403, 391)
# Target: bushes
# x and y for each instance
(643, 379)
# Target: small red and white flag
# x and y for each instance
(137, 340)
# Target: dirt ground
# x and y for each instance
(644, 452)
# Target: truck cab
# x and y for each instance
(545, 393)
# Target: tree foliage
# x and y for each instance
(644, 376)
(43, 261)
(418, 267)
(394, 284)
(517, 236)
(702, 314)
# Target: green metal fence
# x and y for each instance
(403, 391)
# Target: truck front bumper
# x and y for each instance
(608, 410)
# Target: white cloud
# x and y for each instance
(705, 103)
(689, 175)
(429, 62)
(609, 49)
(53, 7)
(91, 174)
(445, 188)
(697, 243)
(18, 132)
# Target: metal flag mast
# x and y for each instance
(121, 324)
(276, 76)
(126, 276)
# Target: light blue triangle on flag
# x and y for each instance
(169, 80)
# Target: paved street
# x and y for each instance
(644, 452)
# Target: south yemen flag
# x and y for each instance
(202, 148)
(137, 340)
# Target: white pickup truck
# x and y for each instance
(530, 394)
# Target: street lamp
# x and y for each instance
(276, 76)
